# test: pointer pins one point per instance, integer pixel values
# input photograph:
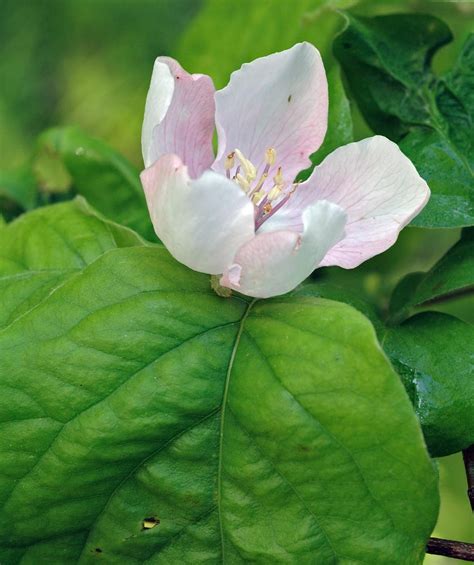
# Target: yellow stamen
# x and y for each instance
(243, 182)
(274, 193)
(259, 184)
(258, 197)
(248, 167)
(270, 156)
(267, 208)
(278, 178)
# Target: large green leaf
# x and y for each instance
(100, 174)
(41, 250)
(433, 354)
(451, 276)
(145, 419)
(387, 62)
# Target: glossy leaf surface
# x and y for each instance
(432, 352)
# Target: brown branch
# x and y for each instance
(468, 455)
(449, 548)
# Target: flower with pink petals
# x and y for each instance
(240, 214)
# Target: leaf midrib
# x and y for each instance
(223, 413)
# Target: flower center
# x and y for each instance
(267, 196)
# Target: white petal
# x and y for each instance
(375, 183)
(278, 101)
(157, 103)
(202, 222)
(179, 117)
(275, 263)
(378, 187)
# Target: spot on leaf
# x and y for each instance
(149, 523)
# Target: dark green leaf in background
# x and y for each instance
(144, 418)
(387, 61)
(432, 352)
(451, 276)
(258, 29)
(18, 191)
(339, 130)
(100, 174)
(255, 29)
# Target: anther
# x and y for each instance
(248, 167)
(267, 208)
(270, 156)
(274, 193)
(278, 178)
(229, 161)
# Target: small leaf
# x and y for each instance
(432, 353)
(387, 63)
(105, 178)
(402, 296)
(451, 276)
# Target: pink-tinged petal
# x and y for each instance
(377, 186)
(279, 101)
(202, 222)
(179, 117)
(275, 263)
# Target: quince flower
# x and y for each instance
(240, 214)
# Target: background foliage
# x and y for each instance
(87, 64)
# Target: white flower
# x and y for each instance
(240, 214)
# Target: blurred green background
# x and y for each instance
(88, 63)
